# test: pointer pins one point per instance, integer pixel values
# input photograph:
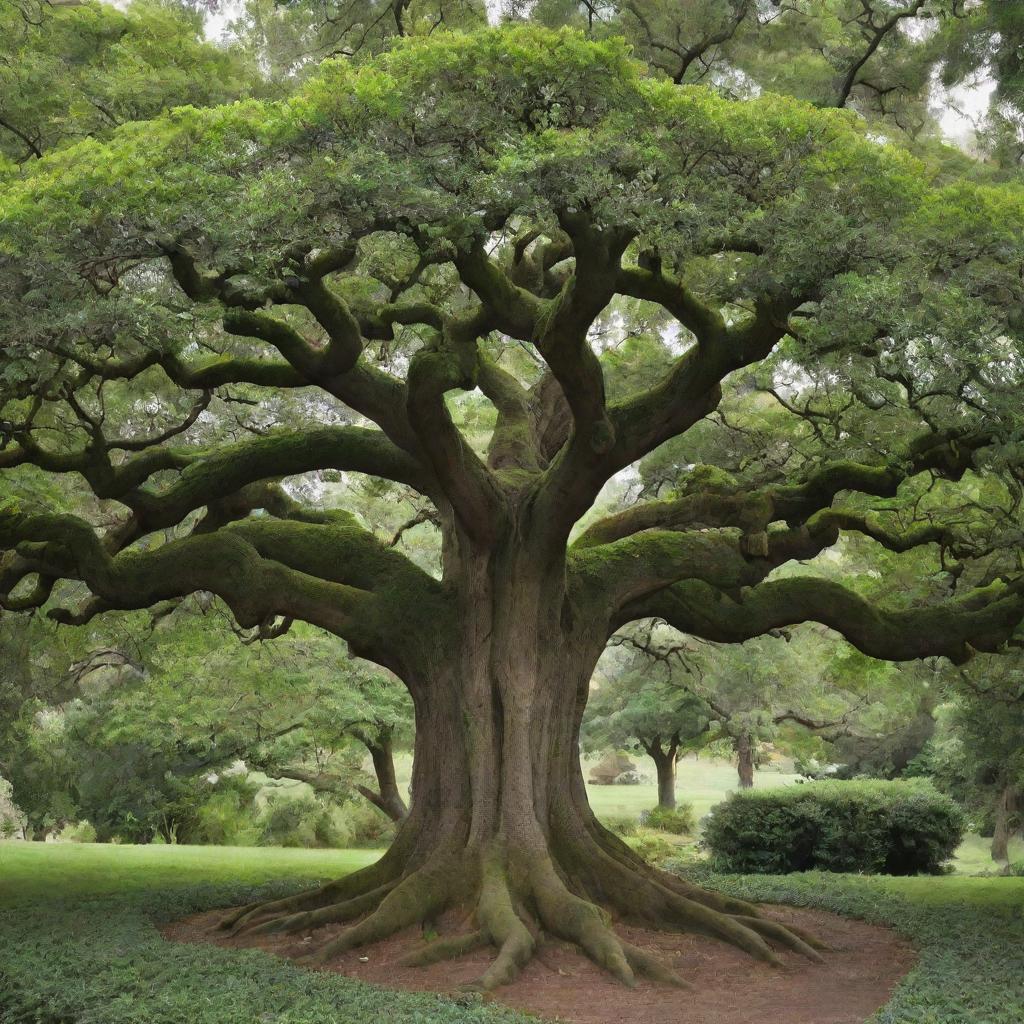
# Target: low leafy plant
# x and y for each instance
(622, 825)
(902, 827)
(680, 821)
(654, 847)
(77, 832)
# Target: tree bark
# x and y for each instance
(665, 765)
(744, 744)
(1005, 806)
(500, 822)
(388, 797)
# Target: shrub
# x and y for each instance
(892, 828)
(291, 821)
(77, 832)
(621, 824)
(365, 826)
(680, 822)
(227, 818)
(652, 846)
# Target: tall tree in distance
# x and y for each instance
(490, 213)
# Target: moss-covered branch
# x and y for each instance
(336, 576)
(982, 620)
(948, 454)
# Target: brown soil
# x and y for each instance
(857, 977)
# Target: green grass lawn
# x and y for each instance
(699, 781)
(79, 941)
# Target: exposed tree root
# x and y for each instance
(357, 884)
(445, 949)
(416, 898)
(518, 899)
(651, 967)
(308, 920)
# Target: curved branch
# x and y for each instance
(341, 579)
(981, 620)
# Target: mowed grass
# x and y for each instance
(36, 871)
(699, 781)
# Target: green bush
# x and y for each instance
(364, 825)
(621, 824)
(652, 846)
(894, 828)
(227, 818)
(292, 821)
(77, 832)
(680, 822)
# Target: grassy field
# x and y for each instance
(79, 941)
(699, 781)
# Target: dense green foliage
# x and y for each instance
(73, 72)
(891, 828)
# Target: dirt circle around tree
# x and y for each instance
(858, 976)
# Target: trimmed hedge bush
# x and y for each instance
(904, 827)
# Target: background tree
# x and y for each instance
(978, 752)
(157, 705)
(635, 707)
(492, 212)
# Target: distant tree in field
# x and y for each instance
(158, 705)
(633, 707)
(746, 695)
(498, 270)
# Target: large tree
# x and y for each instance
(491, 213)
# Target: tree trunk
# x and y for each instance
(665, 765)
(500, 823)
(388, 797)
(1001, 834)
(744, 744)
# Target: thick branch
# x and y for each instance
(982, 620)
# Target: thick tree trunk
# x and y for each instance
(745, 760)
(665, 765)
(500, 822)
(1001, 835)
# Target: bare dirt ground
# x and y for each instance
(560, 984)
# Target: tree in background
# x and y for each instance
(747, 695)
(882, 59)
(978, 752)
(353, 258)
(632, 706)
(161, 704)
